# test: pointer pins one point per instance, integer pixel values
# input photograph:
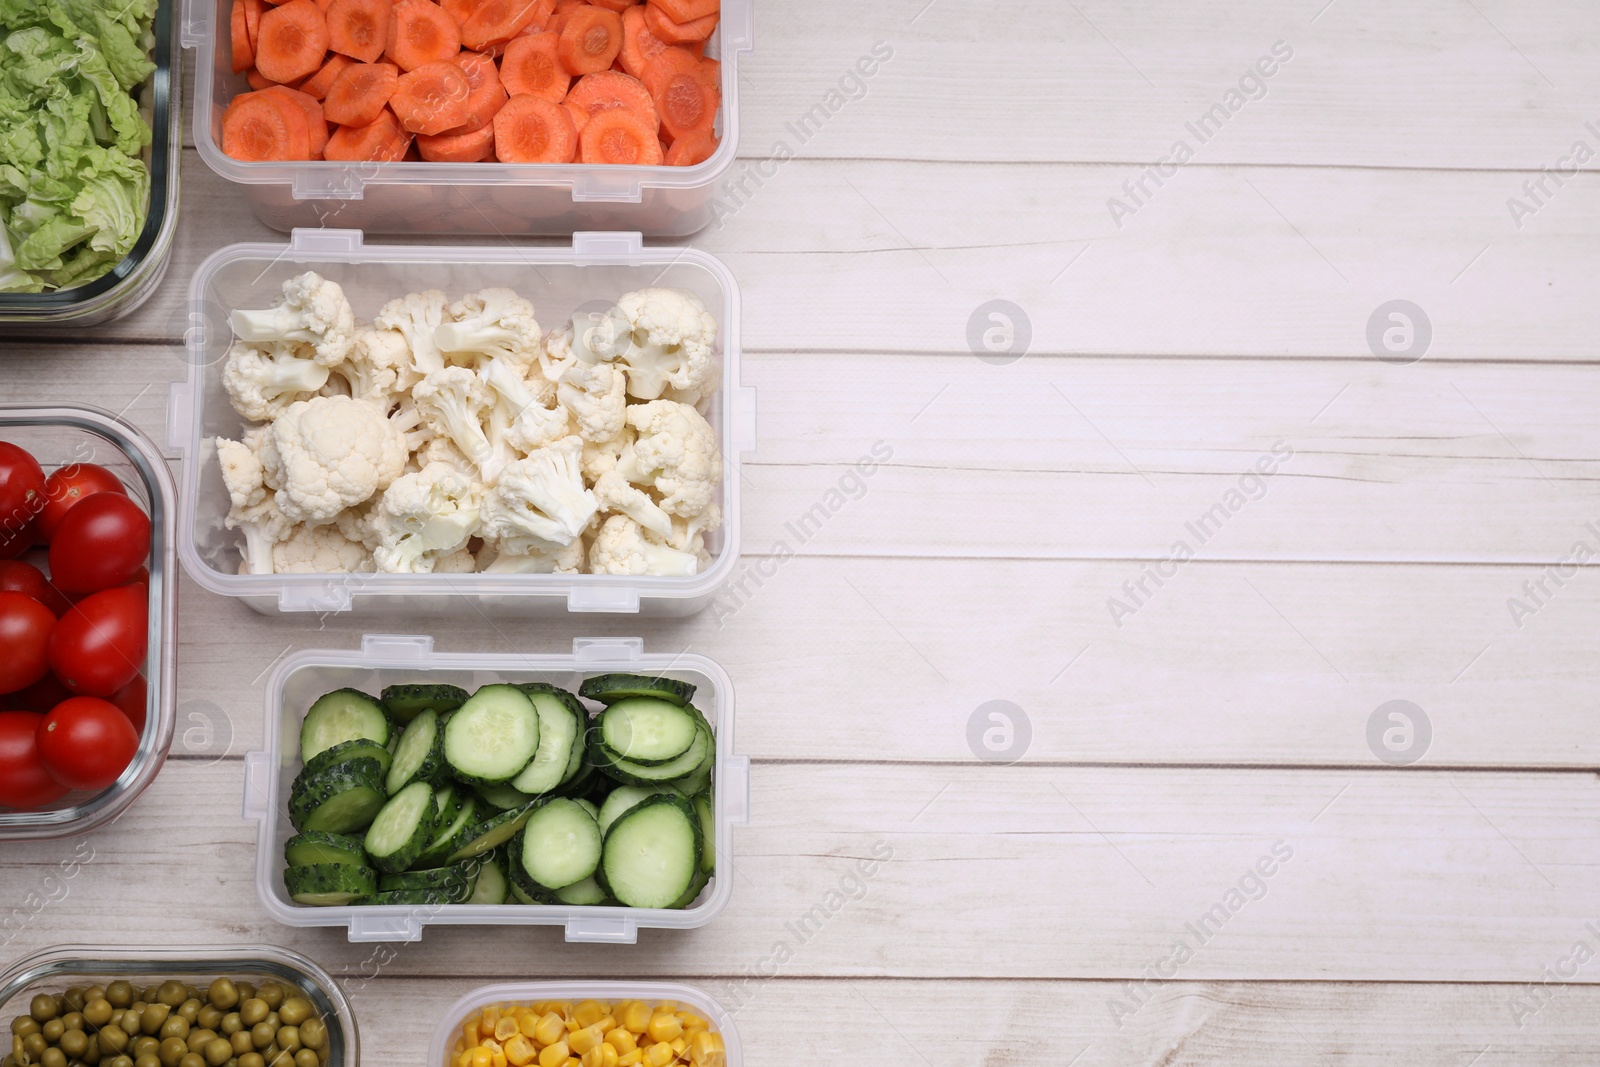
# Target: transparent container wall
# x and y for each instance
(488, 198)
(57, 969)
(520, 993)
(130, 282)
(558, 282)
(388, 660)
(58, 437)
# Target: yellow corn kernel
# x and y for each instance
(550, 1029)
(582, 1041)
(691, 1021)
(588, 1012)
(593, 1058)
(482, 1057)
(605, 1022)
(469, 1032)
(520, 1051)
(659, 1055)
(573, 1026)
(573, 1061)
(553, 1055)
(705, 1050)
(527, 1021)
(664, 1027)
(679, 1043)
(621, 1040)
(464, 1059)
(635, 1017)
(631, 1059)
(504, 1027)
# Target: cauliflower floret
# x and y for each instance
(330, 453)
(241, 473)
(688, 533)
(356, 524)
(378, 366)
(424, 516)
(261, 381)
(595, 393)
(621, 547)
(557, 357)
(263, 526)
(599, 457)
(452, 402)
(319, 550)
(612, 492)
(458, 562)
(675, 454)
(416, 316)
(539, 501)
(443, 450)
(313, 312)
(669, 342)
(556, 559)
(491, 324)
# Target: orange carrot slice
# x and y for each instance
(460, 10)
(497, 21)
(317, 86)
(532, 66)
(531, 129)
(486, 97)
(687, 10)
(256, 81)
(619, 135)
(380, 141)
(432, 98)
(292, 41)
(619, 6)
(252, 20)
(684, 99)
(691, 148)
(678, 32)
(361, 93)
(640, 46)
(607, 89)
(420, 33)
(579, 115)
(473, 146)
(265, 125)
(316, 123)
(359, 28)
(244, 53)
(590, 40)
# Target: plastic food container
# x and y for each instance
(490, 198)
(388, 659)
(129, 283)
(557, 280)
(62, 435)
(687, 996)
(55, 969)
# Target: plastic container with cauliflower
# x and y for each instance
(470, 445)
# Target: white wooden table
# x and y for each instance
(1228, 714)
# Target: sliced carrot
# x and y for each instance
(712, 69)
(579, 115)
(640, 46)
(420, 33)
(316, 123)
(687, 10)
(685, 100)
(244, 53)
(252, 19)
(292, 41)
(460, 10)
(497, 21)
(265, 125)
(606, 89)
(487, 95)
(691, 148)
(474, 146)
(619, 6)
(317, 86)
(531, 129)
(359, 28)
(323, 4)
(253, 76)
(533, 67)
(432, 98)
(382, 141)
(361, 93)
(678, 32)
(590, 39)
(619, 135)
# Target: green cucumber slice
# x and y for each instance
(584, 893)
(419, 757)
(340, 800)
(406, 702)
(491, 886)
(560, 844)
(323, 885)
(401, 831)
(652, 853)
(304, 850)
(438, 878)
(609, 688)
(491, 833)
(642, 774)
(492, 737)
(414, 898)
(342, 715)
(708, 832)
(345, 751)
(559, 726)
(503, 797)
(647, 730)
(451, 836)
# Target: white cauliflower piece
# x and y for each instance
(378, 366)
(313, 312)
(557, 357)
(669, 342)
(688, 533)
(261, 381)
(356, 524)
(539, 501)
(621, 547)
(675, 454)
(416, 316)
(613, 493)
(452, 402)
(491, 324)
(458, 562)
(443, 450)
(523, 417)
(596, 394)
(424, 516)
(556, 559)
(330, 453)
(241, 473)
(601, 456)
(263, 526)
(319, 550)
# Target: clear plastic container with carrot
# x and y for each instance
(621, 82)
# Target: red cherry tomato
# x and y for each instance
(24, 781)
(21, 488)
(41, 696)
(101, 543)
(69, 485)
(25, 628)
(19, 577)
(14, 541)
(131, 700)
(99, 646)
(86, 743)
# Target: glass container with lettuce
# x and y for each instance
(74, 187)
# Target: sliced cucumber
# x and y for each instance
(491, 833)
(438, 878)
(419, 757)
(621, 799)
(520, 895)
(559, 726)
(503, 797)
(402, 830)
(406, 702)
(610, 688)
(708, 832)
(340, 800)
(449, 803)
(647, 730)
(642, 774)
(697, 781)
(493, 736)
(491, 886)
(652, 854)
(451, 836)
(560, 844)
(583, 893)
(702, 879)
(345, 751)
(304, 850)
(342, 715)
(415, 898)
(589, 806)
(324, 885)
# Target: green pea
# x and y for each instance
(23, 1025)
(74, 1043)
(120, 994)
(313, 1033)
(97, 1012)
(172, 1050)
(53, 1030)
(53, 1057)
(43, 1008)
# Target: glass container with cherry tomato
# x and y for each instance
(87, 618)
